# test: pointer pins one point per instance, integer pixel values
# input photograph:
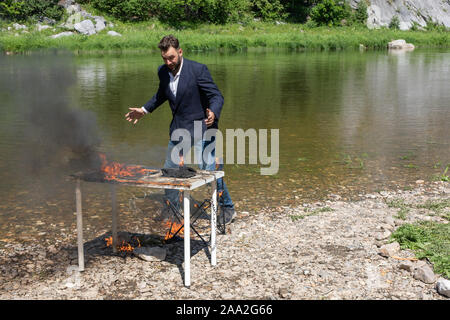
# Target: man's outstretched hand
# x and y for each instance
(134, 115)
(210, 117)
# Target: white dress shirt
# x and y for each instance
(173, 84)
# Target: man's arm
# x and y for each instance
(209, 88)
(159, 98)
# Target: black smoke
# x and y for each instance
(57, 133)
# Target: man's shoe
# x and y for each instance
(228, 213)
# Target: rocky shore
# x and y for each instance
(324, 250)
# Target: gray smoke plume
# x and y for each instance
(56, 132)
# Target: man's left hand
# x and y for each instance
(210, 117)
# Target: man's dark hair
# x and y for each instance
(167, 42)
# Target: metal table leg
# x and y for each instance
(114, 217)
(79, 227)
(187, 240)
(213, 223)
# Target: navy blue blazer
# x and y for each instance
(196, 91)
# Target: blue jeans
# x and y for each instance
(209, 164)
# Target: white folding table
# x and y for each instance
(201, 178)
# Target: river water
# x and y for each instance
(349, 123)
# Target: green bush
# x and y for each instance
(21, 10)
(361, 15)
(328, 12)
(126, 10)
(395, 23)
(435, 26)
(175, 12)
(298, 10)
(268, 10)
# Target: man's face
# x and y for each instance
(172, 58)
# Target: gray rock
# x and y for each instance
(443, 287)
(114, 34)
(283, 293)
(99, 18)
(400, 45)
(73, 8)
(85, 27)
(390, 221)
(424, 274)
(62, 34)
(406, 265)
(40, 27)
(48, 21)
(99, 25)
(17, 26)
(86, 15)
(383, 235)
(65, 3)
(150, 254)
(72, 20)
(389, 250)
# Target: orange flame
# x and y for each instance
(181, 161)
(173, 229)
(116, 171)
(124, 247)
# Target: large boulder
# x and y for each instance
(400, 44)
(99, 24)
(85, 27)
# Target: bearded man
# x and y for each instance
(193, 96)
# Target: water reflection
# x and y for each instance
(349, 122)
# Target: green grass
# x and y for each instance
(144, 36)
(429, 240)
(396, 203)
(401, 205)
(442, 177)
(438, 207)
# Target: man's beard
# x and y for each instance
(177, 66)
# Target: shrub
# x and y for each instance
(395, 23)
(328, 12)
(127, 10)
(268, 10)
(361, 15)
(435, 26)
(174, 12)
(21, 10)
(177, 12)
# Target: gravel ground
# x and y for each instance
(322, 250)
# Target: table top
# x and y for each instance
(201, 178)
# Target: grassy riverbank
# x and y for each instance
(145, 35)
